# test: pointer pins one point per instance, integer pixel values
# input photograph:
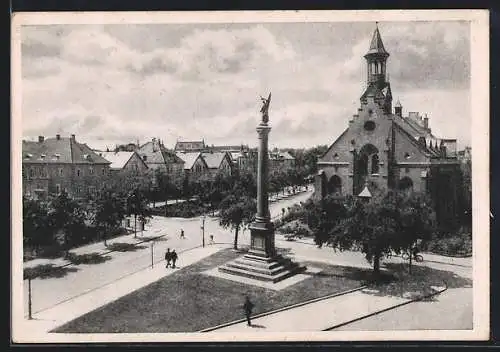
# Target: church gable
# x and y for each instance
(339, 151)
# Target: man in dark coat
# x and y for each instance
(247, 307)
(168, 257)
(173, 257)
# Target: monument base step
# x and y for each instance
(270, 269)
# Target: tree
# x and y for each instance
(389, 222)
(67, 216)
(416, 221)
(37, 229)
(236, 211)
(109, 213)
(137, 204)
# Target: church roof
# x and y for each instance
(398, 104)
(376, 45)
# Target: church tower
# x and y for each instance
(377, 82)
(376, 60)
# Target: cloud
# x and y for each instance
(204, 81)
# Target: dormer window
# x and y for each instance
(28, 156)
(335, 156)
(42, 156)
(407, 156)
(57, 155)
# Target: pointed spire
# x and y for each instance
(398, 104)
(376, 44)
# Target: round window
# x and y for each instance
(369, 125)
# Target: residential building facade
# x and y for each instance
(52, 165)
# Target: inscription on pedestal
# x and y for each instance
(258, 242)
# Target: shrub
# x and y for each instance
(185, 209)
(459, 244)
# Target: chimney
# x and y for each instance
(58, 136)
(73, 138)
(426, 122)
(40, 139)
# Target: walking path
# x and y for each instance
(322, 315)
(77, 306)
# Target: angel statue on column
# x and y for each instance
(265, 108)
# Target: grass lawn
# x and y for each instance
(188, 300)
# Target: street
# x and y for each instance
(47, 293)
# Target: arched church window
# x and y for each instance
(363, 165)
(375, 165)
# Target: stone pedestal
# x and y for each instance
(262, 262)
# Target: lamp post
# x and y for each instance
(203, 231)
(152, 253)
(30, 316)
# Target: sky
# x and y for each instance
(121, 83)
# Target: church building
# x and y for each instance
(382, 148)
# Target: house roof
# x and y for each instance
(118, 159)
(60, 150)
(281, 156)
(189, 159)
(190, 144)
(214, 160)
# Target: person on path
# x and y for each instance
(168, 257)
(182, 234)
(247, 307)
(212, 239)
(173, 257)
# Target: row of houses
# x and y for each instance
(50, 165)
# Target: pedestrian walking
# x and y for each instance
(168, 257)
(173, 257)
(247, 307)
(212, 239)
(182, 234)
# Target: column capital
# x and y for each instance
(263, 128)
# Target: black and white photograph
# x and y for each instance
(250, 176)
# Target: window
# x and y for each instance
(103, 172)
(78, 172)
(369, 125)
(32, 173)
(58, 188)
(407, 156)
(91, 170)
(61, 172)
(375, 164)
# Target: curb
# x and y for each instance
(111, 251)
(387, 309)
(292, 306)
